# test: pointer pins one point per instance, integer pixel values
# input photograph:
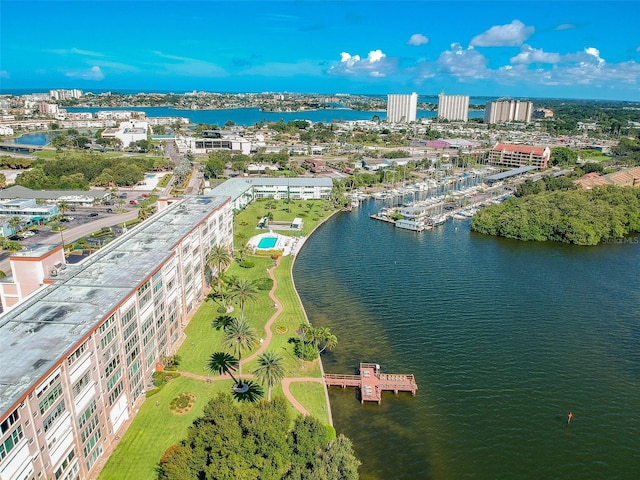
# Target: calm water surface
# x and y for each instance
(505, 338)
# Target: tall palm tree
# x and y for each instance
(220, 258)
(243, 290)
(270, 370)
(223, 362)
(323, 339)
(240, 336)
(16, 223)
(303, 331)
(63, 207)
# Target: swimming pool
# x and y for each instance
(267, 242)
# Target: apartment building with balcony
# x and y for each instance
(513, 156)
(402, 108)
(78, 354)
(507, 111)
(454, 108)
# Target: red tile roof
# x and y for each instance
(519, 148)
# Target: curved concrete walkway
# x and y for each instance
(286, 382)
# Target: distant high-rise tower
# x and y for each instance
(454, 108)
(508, 111)
(402, 108)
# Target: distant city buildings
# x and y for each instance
(454, 108)
(508, 155)
(65, 94)
(628, 177)
(506, 111)
(402, 108)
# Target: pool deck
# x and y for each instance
(288, 245)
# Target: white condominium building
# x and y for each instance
(508, 111)
(78, 354)
(402, 108)
(454, 108)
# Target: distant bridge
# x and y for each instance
(20, 148)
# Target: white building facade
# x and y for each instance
(402, 108)
(508, 111)
(83, 348)
(454, 108)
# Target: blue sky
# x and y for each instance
(560, 49)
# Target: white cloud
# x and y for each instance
(186, 66)
(464, 64)
(510, 35)
(94, 73)
(529, 55)
(281, 69)
(375, 65)
(565, 26)
(418, 39)
(76, 51)
(375, 56)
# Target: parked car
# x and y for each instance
(133, 202)
(109, 210)
(122, 195)
(145, 195)
(27, 234)
(109, 202)
(93, 214)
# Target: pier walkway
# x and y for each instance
(372, 382)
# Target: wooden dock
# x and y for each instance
(372, 383)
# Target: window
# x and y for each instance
(9, 422)
(133, 341)
(65, 464)
(91, 426)
(77, 354)
(130, 329)
(112, 366)
(91, 443)
(116, 392)
(145, 299)
(143, 288)
(50, 399)
(47, 384)
(10, 442)
(126, 318)
(59, 410)
(81, 384)
(114, 379)
(108, 338)
(87, 414)
(107, 323)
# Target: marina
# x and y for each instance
(372, 382)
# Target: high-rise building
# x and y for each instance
(506, 111)
(454, 108)
(402, 108)
(79, 353)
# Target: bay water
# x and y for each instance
(505, 338)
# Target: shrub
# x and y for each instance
(159, 378)
(246, 264)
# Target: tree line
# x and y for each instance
(581, 217)
(258, 441)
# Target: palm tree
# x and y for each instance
(270, 370)
(243, 290)
(251, 392)
(323, 339)
(15, 223)
(222, 322)
(219, 257)
(240, 336)
(63, 207)
(303, 330)
(223, 362)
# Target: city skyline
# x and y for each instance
(564, 49)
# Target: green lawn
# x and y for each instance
(311, 396)
(155, 429)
